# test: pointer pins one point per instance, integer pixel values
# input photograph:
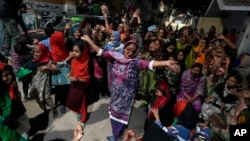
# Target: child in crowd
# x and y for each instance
(22, 54)
(80, 78)
(160, 100)
(14, 123)
(186, 126)
(40, 79)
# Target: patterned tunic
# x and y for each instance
(124, 84)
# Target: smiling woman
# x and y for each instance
(13, 119)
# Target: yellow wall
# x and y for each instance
(207, 22)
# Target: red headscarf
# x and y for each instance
(161, 100)
(59, 50)
(45, 56)
(80, 66)
(179, 107)
(2, 65)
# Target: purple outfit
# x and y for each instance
(123, 88)
(20, 60)
(192, 86)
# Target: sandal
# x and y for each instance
(49, 102)
(78, 117)
(83, 125)
(63, 109)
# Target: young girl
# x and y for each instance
(40, 80)
(80, 78)
(14, 123)
(160, 100)
(20, 56)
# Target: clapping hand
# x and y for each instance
(156, 113)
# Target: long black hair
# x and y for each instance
(3, 86)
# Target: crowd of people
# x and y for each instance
(189, 81)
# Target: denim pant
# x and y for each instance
(11, 35)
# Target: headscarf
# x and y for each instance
(80, 66)
(74, 40)
(186, 115)
(59, 50)
(45, 56)
(120, 57)
(115, 43)
(2, 65)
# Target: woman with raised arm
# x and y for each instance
(124, 73)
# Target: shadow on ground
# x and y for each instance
(101, 113)
(65, 135)
(39, 123)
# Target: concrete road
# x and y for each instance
(46, 128)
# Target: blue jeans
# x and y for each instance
(11, 35)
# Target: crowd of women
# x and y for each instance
(188, 80)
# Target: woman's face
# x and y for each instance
(203, 43)
(170, 49)
(130, 51)
(37, 52)
(161, 33)
(7, 77)
(111, 25)
(100, 36)
(180, 55)
(185, 32)
(231, 81)
(112, 38)
(134, 38)
(120, 27)
(195, 71)
(158, 93)
(183, 40)
(77, 34)
(76, 51)
(155, 45)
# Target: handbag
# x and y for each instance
(60, 78)
(23, 72)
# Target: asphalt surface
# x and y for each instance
(44, 127)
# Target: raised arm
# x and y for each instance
(91, 43)
(107, 27)
(229, 43)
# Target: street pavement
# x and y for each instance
(46, 128)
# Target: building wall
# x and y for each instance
(39, 11)
(235, 19)
(207, 22)
(244, 37)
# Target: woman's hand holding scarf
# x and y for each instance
(71, 77)
(156, 114)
